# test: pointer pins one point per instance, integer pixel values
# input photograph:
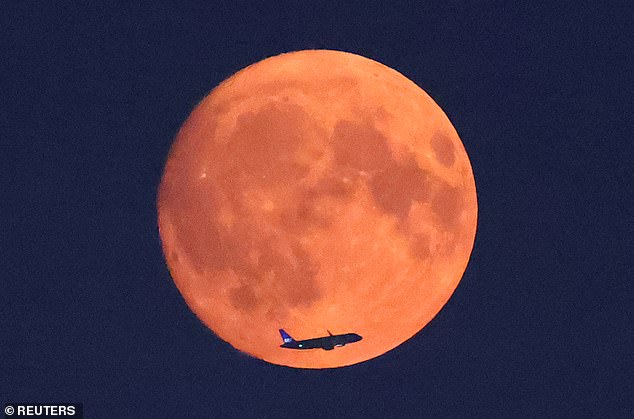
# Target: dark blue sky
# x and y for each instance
(541, 324)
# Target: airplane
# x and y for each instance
(327, 343)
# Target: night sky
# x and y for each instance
(541, 323)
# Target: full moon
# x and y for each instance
(317, 191)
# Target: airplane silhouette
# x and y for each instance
(326, 343)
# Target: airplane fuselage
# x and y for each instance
(326, 343)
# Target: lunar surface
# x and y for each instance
(312, 191)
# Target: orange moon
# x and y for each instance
(312, 191)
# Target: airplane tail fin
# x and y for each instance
(286, 337)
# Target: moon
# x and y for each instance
(317, 190)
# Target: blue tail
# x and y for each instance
(286, 337)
